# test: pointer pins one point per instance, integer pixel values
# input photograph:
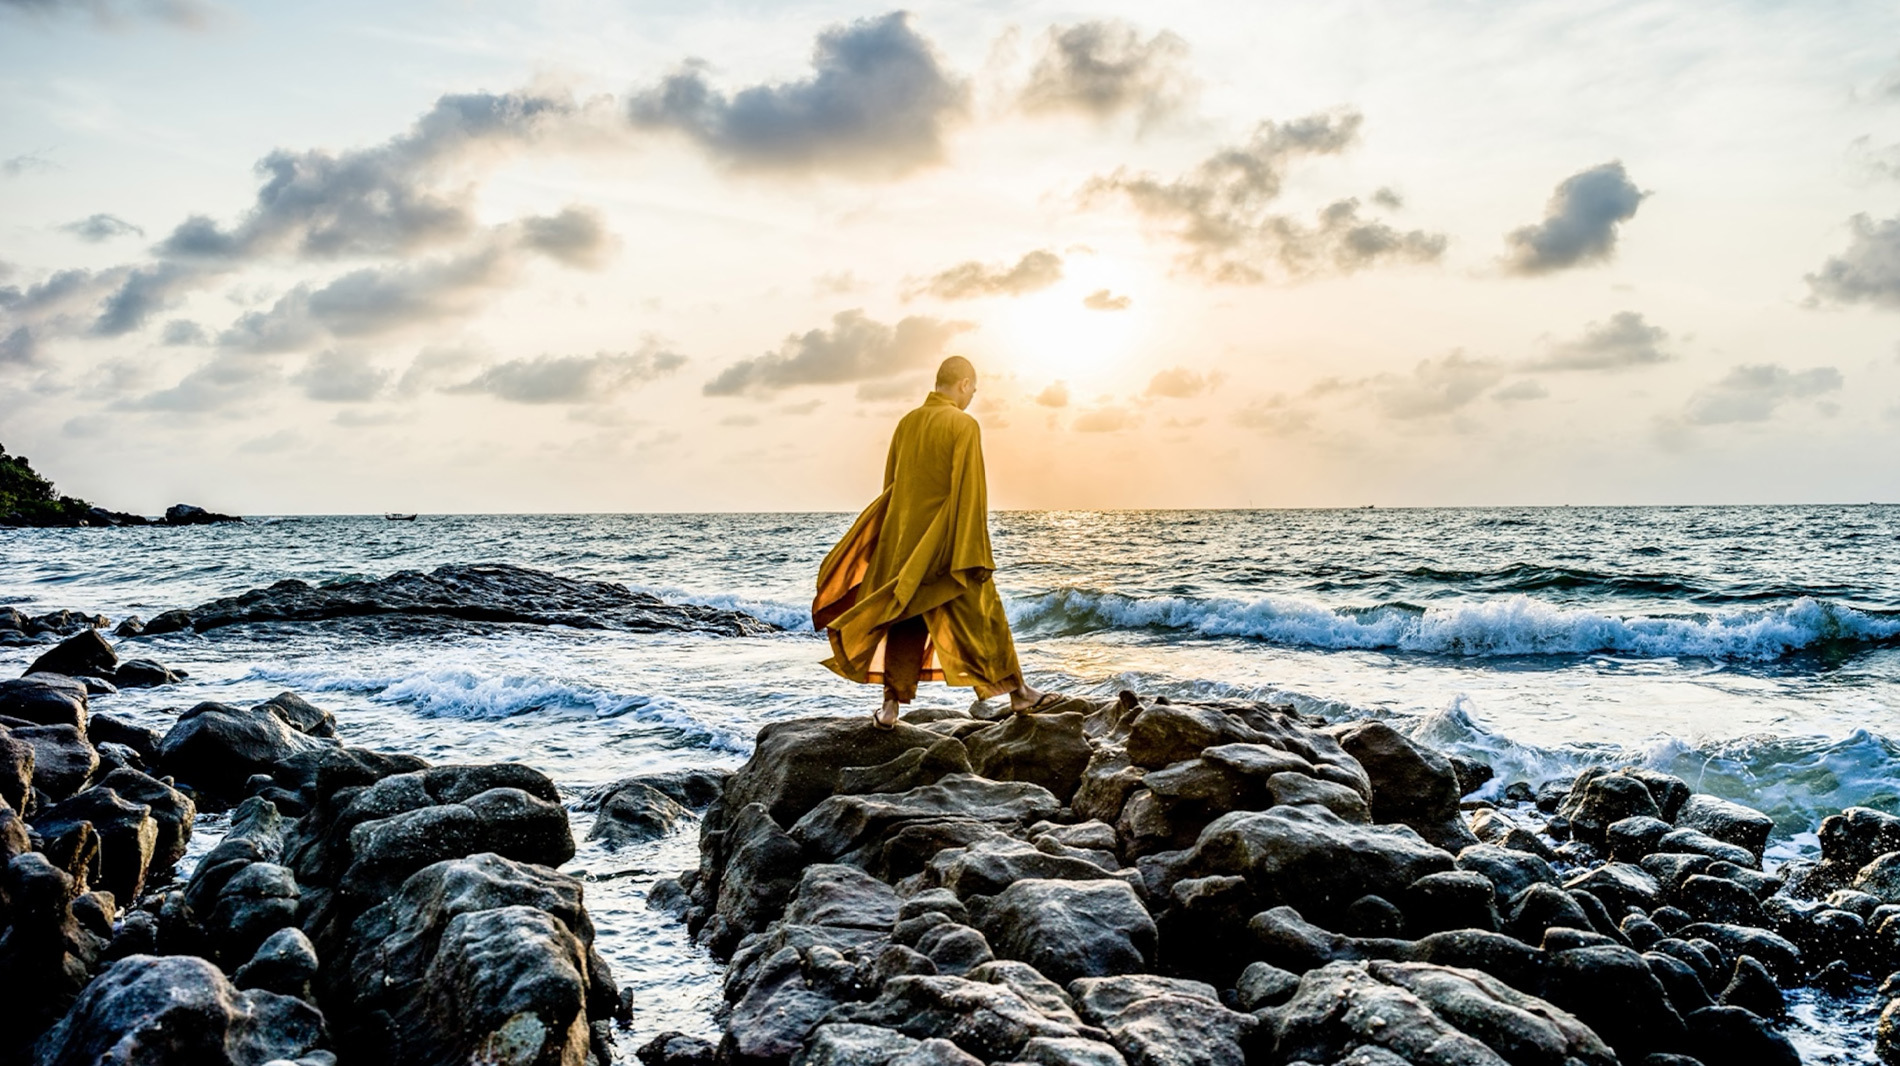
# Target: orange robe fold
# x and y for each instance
(922, 549)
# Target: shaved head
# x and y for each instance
(953, 370)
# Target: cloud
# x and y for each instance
(1056, 395)
(223, 382)
(1107, 419)
(1103, 300)
(1625, 341)
(1434, 387)
(1178, 383)
(1221, 211)
(19, 347)
(878, 103)
(1868, 271)
(145, 291)
(1580, 222)
(376, 301)
(571, 378)
(376, 201)
(26, 162)
(341, 377)
(183, 13)
(856, 348)
(1752, 393)
(434, 367)
(183, 332)
(1034, 272)
(101, 227)
(1275, 415)
(894, 389)
(1520, 391)
(1104, 69)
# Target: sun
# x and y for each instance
(1080, 330)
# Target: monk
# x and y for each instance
(906, 596)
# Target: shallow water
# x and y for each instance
(1753, 651)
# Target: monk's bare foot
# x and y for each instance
(885, 717)
(1027, 700)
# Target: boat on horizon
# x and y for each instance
(392, 516)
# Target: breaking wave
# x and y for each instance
(1508, 626)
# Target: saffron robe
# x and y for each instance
(922, 549)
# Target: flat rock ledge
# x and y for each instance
(459, 594)
(1146, 883)
(362, 908)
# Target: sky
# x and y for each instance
(466, 256)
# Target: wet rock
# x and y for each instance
(1598, 800)
(185, 514)
(1679, 980)
(1311, 859)
(475, 959)
(913, 769)
(636, 813)
(216, 748)
(797, 764)
(1510, 872)
(1029, 983)
(1455, 899)
(1542, 907)
(1696, 842)
(1620, 886)
(1713, 899)
(1411, 783)
(990, 866)
(1045, 749)
(172, 812)
(63, 760)
(1105, 784)
(1069, 1051)
(1070, 929)
(179, 1010)
(955, 949)
(46, 957)
(254, 903)
(1880, 878)
(300, 714)
(1731, 1034)
(1159, 1021)
(145, 673)
(987, 1020)
(1373, 916)
(16, 771)
(84, 654)
(1291, 788)
(1782, 958)
(842, 896)
(1849, 841)
(1887, 1033)
(1752, 989)
(1728, 822)
(44, 699)
(841, 824)
(676, 1049)
(1264, 985)
(128, 835)
(111, 729)
(1630, 839)
(285, 963)
(761, 876)
(1169, 733)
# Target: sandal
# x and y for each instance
(877, 719)
(1047, 699)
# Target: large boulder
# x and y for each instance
(1598, 800)
(1047, 749)
(841, 825)
(636, 812)
(990, 1021)
(993, 864)
(1411, 783)
(84, 654)
(16, 771)
(46, 955)
(63, 759)
(215, 748)
(1309, 858)
(180, 1011)
(173, 812)
(128, 836)
(476, 959)
(1161, 1021)
(44, 699)
(797, 764)
(1728, 822)
(1070, 929)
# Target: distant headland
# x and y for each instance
(28, 499)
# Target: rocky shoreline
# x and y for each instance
(1145, 883)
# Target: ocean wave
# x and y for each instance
(793, 616)
(1507, 626)
(457, 692)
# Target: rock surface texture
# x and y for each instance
(1164, 884)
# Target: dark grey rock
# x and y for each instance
(1715, 899)
(1731, 1034)
(1455, 899)
(84, 654)
(841, 824)
(1510, 872)
(179, 1010)
(676, 1049)
(1620, 885)
(1158, 1021)
(1752, 989)
(1105, 785)
(1683, 840)
(216, 748)
(1728, 822)
(1411, 783)
(128, 835)
(636, 813)
(989, 866)
(45, 699)
(285, 963)
(63, 760)
(1632, 838)
(1598, 800)
(1265, 985)
(46, 956)
(172, 811)
(1045, 749)
(987, 1020)
(913, 769)
(1070, 929)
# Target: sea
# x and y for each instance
(1753, 651)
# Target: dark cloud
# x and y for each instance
(145, 291)
(1105, 69)
(183, 332)
(1580, 223)
(1103, 300)
(1178, 383)
(1056, 395)
(571, 378)
(855, 348)
(1388, 198)
(1625, 341)
(19, 346)
(878, 102)
(1868, 271)
(1222, 211)
(66, 304)
(1753, 393)
(1032, 273)
(341, 377)
(376, 301)
(1520, 391)
(102, 227)
(378, 200)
